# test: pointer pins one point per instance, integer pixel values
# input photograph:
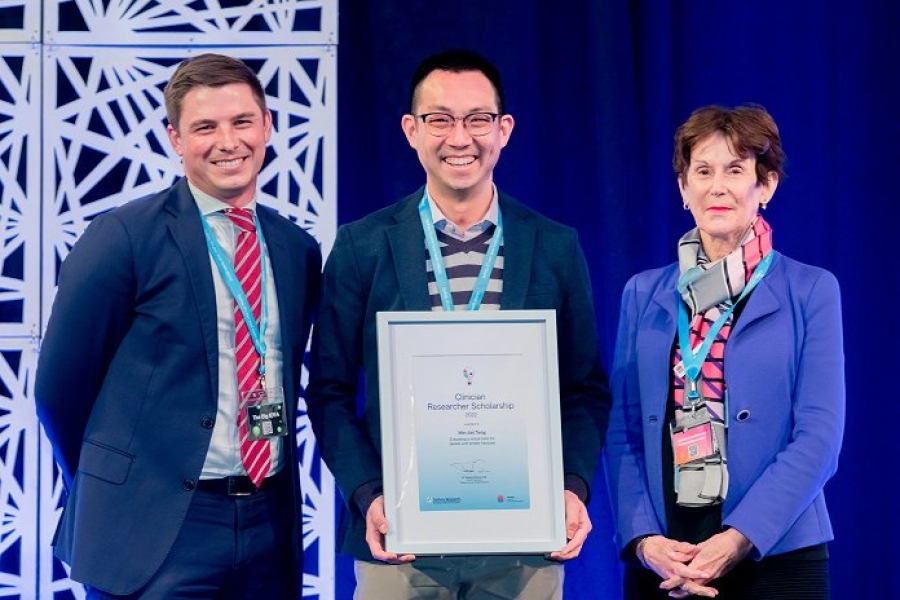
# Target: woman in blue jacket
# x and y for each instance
(717, 456)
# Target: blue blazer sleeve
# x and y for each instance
(342, 434)
(626, 469)
(585, 399)
(93, 307)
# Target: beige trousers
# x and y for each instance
(461, 578)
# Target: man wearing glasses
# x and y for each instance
(457, 243)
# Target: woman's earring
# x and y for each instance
(685, 205)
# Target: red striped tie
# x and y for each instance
(256, 455)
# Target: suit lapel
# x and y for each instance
(280, 257)
(665, 298)
(186, 229)
(660, 322)
(519, 236)
(762, 301)
(285, 271)
(407, 242)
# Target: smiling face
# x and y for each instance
(723, 194)
(221, 138)
(458, 167)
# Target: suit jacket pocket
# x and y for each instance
(104, 462)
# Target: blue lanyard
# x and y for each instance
(692, 359)
(226, 269)
(437, 260)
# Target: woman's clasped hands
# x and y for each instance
(686, 568)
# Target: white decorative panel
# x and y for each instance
(24, 542)
(318, 512)
(20, 540)
(184, 23)
(105, 140)
(20, 21)
(20, 209)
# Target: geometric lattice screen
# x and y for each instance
(82, 130)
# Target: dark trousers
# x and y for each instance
(780, 577)
(228, 548)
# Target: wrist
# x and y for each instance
(639, 550)
(742, 542)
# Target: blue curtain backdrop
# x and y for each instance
(597, 88)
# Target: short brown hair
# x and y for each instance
(749, 129)
(208, 70)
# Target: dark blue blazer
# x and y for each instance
(784, 370)
(127, 379)
(378, 264)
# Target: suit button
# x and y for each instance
(743, 415)
(188, 485)
(207, 422)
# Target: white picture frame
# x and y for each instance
(470, 432)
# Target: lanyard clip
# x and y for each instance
(692, 395)
(262, 372)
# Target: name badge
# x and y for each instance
(692, 436)
(265, 413)
(693, 444)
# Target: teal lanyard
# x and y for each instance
(437, 260)
(226, 270)
(692, 359)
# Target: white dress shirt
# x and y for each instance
(224, 455)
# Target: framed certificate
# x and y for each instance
(470, 432)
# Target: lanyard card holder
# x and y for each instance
(698, 444)
(265, 413)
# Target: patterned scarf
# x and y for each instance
(707, 288)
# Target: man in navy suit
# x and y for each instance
(137, 383)
(385, 262)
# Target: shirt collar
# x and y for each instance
(209, 205)
(444, 224)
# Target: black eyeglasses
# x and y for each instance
(441, 124)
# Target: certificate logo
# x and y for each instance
(439, 500)
(468, 375)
